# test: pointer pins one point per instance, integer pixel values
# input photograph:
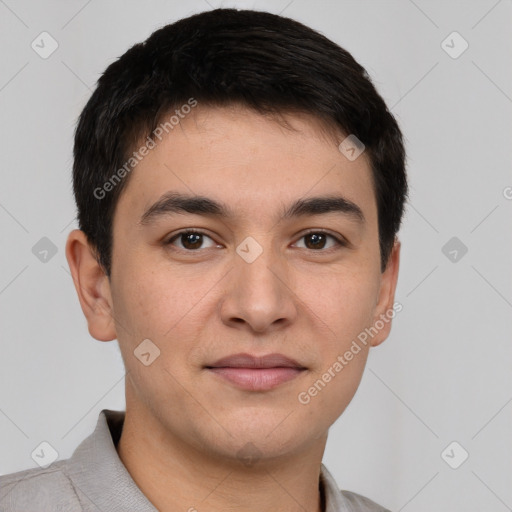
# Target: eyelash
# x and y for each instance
(339, 240)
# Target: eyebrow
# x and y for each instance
(174, 202)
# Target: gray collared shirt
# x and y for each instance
(94, 479)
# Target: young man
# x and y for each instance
(240, 185)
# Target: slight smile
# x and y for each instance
(256, 373)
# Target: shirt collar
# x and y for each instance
(99, 474)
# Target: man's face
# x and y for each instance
(253, 283)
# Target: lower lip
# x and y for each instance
(257, 379)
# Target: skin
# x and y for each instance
(185, 426)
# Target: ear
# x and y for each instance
(384, 310)
(92, 286)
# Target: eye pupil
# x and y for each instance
(191, 239)
(317, 238)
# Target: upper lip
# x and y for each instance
(250, 361)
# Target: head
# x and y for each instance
(240, 126)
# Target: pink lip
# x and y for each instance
(249, 361)
(256, 373)
(255, 379)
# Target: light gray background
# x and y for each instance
(443, 375)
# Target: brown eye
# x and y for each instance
(190, 240)
(317, 240)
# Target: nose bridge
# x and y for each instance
(257, 266)
(259, 294)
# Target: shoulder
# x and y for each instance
(38, 490)
(360, 503)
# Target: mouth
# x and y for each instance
(255, 373)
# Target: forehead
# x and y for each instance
(255, 163)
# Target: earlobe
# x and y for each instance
(384, 311)
(92, 286)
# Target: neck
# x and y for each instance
(176, 476)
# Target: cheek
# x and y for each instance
(150, 307)
(342, 303)
(151, 303)
(168, 308)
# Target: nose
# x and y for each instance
(259, 296)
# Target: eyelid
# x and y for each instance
(340, 240)
(171, 239)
